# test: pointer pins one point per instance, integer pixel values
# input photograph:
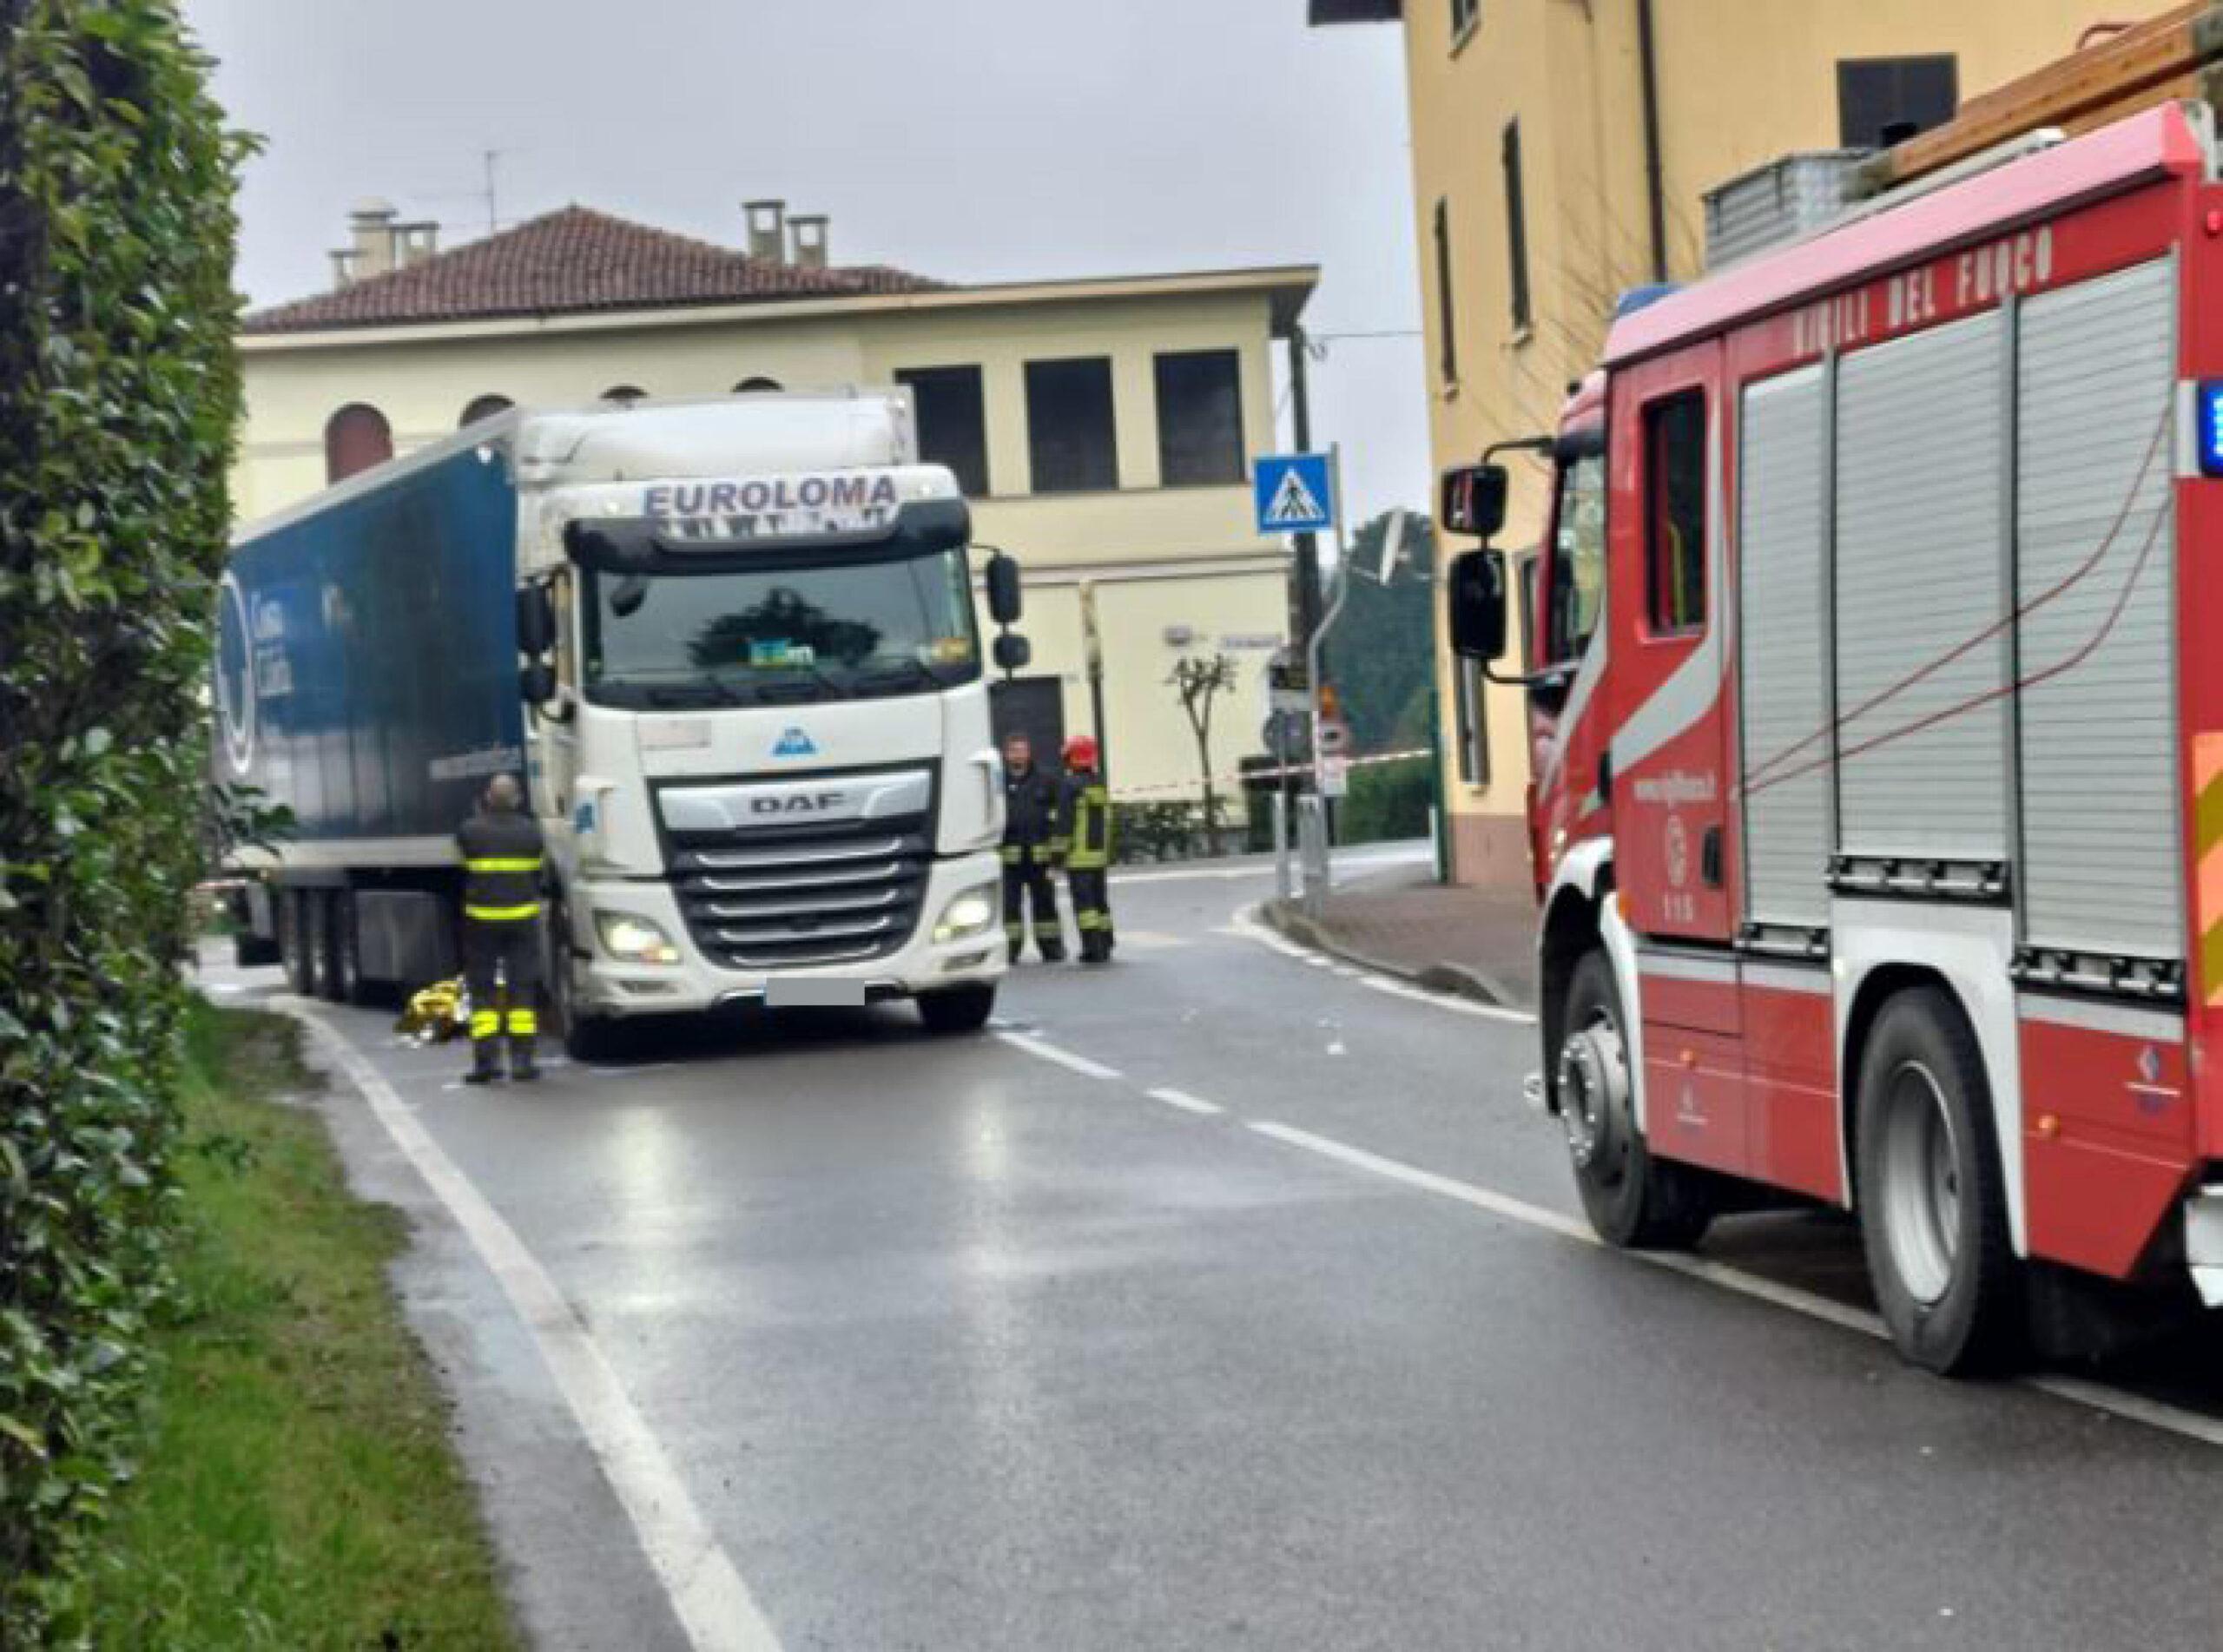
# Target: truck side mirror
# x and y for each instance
(1003, 588)
(536, 683)
(1474, 604)
(536, 619)
(1474, 500)
(1012, 652)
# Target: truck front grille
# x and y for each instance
(835, 893)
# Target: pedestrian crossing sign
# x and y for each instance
(1294, 493)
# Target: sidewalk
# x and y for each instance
(1479, 943)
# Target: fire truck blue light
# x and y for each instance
(2210, 428)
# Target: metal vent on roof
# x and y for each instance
(1779, 202)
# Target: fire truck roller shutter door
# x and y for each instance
(1784, 657)
(1921, 571)
(2099, 817)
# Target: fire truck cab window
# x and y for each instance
(1674, 463)
(1578, 566)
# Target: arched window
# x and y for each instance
(355, 438)
(747, 384)
(483, 407)
(623, 393)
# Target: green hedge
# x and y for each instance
(119, 395)
(1388, 801)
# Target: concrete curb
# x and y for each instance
(1456, 980)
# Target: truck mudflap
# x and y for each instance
(2204, 1242)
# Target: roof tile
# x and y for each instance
(571, 260)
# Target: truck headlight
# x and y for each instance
(967, 914)
(634, 940)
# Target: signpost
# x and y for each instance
(1301, 494)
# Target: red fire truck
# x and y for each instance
(1876, 716)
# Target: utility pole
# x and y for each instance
(1305, 612)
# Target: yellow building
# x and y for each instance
(1104, 429)
(1560, 152)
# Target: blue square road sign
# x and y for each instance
(1294, 493)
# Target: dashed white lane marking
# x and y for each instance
(1187, 1103)
(1044, 1051)
(2076, 1390)
(714, 1606)
(1246, 925)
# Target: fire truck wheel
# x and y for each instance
(1933, 1218)
(1634, 1200)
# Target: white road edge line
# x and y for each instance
(1045, 1052)
(1187, 1103)
(2078, 1391)
(1248, 924)
(714, 1606)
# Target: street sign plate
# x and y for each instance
(1293, 493)
(1335, 776)
(1297, 700)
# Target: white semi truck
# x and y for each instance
(731, 645)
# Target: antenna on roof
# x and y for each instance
(493, 216)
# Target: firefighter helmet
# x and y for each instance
(1080, 752)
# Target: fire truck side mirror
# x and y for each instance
(1003, 588)
(1477, 605)
(1474, 500)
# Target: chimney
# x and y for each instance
(370, 227)
(768, 233)
(807, 241)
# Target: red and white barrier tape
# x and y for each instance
(1299, 771)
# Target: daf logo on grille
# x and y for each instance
(797, 803)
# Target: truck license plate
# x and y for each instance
(811, 992)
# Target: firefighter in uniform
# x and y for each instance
(501, 931)
(1031, 809)
(1083, 841)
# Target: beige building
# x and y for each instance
(1104, 429)
(1560, 152)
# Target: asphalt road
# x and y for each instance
(1219, 1298)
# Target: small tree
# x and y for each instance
(1199, 679)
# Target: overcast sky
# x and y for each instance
(971, 139)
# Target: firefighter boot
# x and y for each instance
(486, 1047)
(524, 1028)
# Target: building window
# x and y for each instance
(1474, 722)
(1882, 100)
(1200, 419)
(1516, 224)
(748, 385)
(355, 438)
(1674, 459)
(952, 423)
(1069, 431)
(622, 393)
(1466, 17)
(483, 407)
(1446, 318)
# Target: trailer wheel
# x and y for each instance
(955, 1009)
(316, 944)
(1933, 1215)
(293, 941)
(349, 984)
(1633, 1201)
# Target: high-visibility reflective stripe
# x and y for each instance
(502, 914)
(484, 1024)
(524, 1022)
(513, 863)
(1088, 919)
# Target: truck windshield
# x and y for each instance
(836, 632)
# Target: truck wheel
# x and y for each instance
(1633, 1201)
(293, 941)
(955, 1009)
(584, 1038)
(1933, 1217)
(250, 950)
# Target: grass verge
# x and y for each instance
(299, 1489)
